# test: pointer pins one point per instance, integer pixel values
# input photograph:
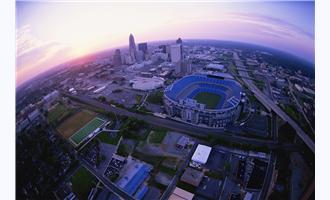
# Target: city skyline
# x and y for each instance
(80, 28)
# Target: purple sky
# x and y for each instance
(52, 33)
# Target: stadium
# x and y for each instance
(209, 100)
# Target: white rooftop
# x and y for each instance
(215, 66)
(143, 83)
(201, 154)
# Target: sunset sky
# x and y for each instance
(51, 33)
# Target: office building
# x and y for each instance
(132, 47)
(117, 59)
(143, 47)
(176, 53)
(139, 56)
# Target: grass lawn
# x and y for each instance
(138, 98)
(79, 136)
(157, 136)
(171, 163)
(82, 183)
(211, 100)
(156, 97)
(167, 170)
(123, 150)
(57, 113)
(153, 160)
(106, 138)
(74, 123)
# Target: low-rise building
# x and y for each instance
(144, 83)
(192, 176)
(200, 156)
(180, 194)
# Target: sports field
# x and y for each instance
(57, 113)
(82, 183)
(211, 100)
(75, 123)
(80, 135)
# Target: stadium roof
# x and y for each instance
(201, 154)
(189, 87)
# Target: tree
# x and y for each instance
(102, 98)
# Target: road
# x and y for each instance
(175, 179)
(106, 182)
(268, 176)
(272, 160)
(183, 127)
(299, 105)
(270, 105)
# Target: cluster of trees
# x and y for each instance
(214, 140)
(156, 97)
(131, 127)
(39, 163)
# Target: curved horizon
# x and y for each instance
(48, 34)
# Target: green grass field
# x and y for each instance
(57, 113)
(157, 136)
(82, 183)
(106, 138)
(211, 100)
(80, 135)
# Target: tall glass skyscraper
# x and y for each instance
(132, 47)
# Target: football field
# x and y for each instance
(79, 136)
(211, 100)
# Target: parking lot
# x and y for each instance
(115, 165)
(209, 188)
(217, 160)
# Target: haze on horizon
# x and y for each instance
(50, 33)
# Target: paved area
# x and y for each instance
(107, 150)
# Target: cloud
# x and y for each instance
(34, 56)
(271, 25)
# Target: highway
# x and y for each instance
(270, 105)
(183, 127)
(272, 161)
(106, 182)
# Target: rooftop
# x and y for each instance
(180, 194)
(201, 154)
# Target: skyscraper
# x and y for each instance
(179, 42)
(117, 58)
(143, 47)
(176, 53)
(132, 47)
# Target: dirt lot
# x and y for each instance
(74, 123)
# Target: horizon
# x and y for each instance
(39, 50)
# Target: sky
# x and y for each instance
(50, 33)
